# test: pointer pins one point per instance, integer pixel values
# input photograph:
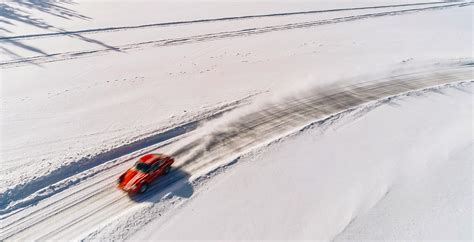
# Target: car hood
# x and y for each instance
(133, 176)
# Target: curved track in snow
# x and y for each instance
(75, 211)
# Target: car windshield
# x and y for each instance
(143, 167)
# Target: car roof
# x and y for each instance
(149, 158)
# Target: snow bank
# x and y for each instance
(396, 171)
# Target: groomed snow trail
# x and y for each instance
(78, 210)
(204, 37)
(208, 20)
(366, 173)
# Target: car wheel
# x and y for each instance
(167, 170)
(143, 188)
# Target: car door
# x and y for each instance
(155, 168)
(161, 165)
(168, 161)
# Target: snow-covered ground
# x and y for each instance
(59, 114)
(400, 169)
(88, 86)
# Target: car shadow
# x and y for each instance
(176, 183)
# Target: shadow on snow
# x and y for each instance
(176, 183)
(16, 12)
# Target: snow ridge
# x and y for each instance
(30, 191)
(131, 222)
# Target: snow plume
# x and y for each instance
(334, 185)
(245, 128)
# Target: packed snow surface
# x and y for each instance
(68, 111)
(400, 169)
(88, 86)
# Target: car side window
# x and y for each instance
(156, 165)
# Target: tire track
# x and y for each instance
(41, 59)
(86, 209)
(22, 191)
(199, 21)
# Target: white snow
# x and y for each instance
(88, 86)
(87, 14)
(58, 114)
(401, 171)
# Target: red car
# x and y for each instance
(148, 168)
